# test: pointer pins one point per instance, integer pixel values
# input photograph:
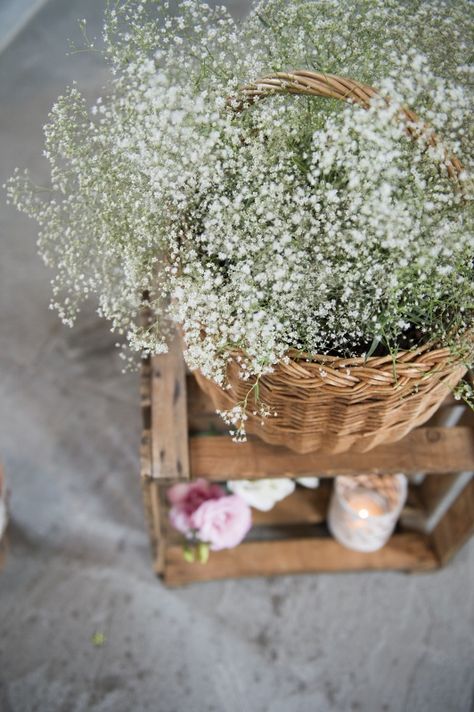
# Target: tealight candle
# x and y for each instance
(367, 504)
(364, 510)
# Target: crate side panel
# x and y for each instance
(456, 526)
(169, 426)
(154, 519)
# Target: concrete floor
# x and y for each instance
(79, 560)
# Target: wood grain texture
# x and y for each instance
(150, 491)
(169, 424)
(154, 518)
(456, 526)
(145, 387)
(404, 552)
(433, 450)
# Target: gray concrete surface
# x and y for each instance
(14, 16)
(79, 560)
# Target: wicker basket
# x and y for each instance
(333, 404)
(327, 403)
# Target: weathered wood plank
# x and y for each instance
(153, 515)
(404, 552)
(456, 526)
(169, 426)
(433, 450)
(145, 388)
(149, 486)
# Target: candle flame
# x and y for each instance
(363, 513)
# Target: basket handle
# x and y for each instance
(331, 86)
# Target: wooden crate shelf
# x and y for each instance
(184, 439)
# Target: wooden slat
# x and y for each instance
(169, 427)
(456, 526)
(434, 450)
(151, 501)
(145, 454)
(145, 401)
(405, 552)
(451, 412)
(151, 496)
(145, 389)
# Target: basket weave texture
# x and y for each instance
(332, 404)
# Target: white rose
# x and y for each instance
(262, 494)
(310, 482)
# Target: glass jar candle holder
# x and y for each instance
(364, 510)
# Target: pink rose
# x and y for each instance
(186, 497)
(222, 522)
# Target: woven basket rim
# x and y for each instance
(403, 356)
(306, 82)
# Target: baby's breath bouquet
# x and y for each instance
(293, 224)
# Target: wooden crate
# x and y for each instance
(184, 439)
